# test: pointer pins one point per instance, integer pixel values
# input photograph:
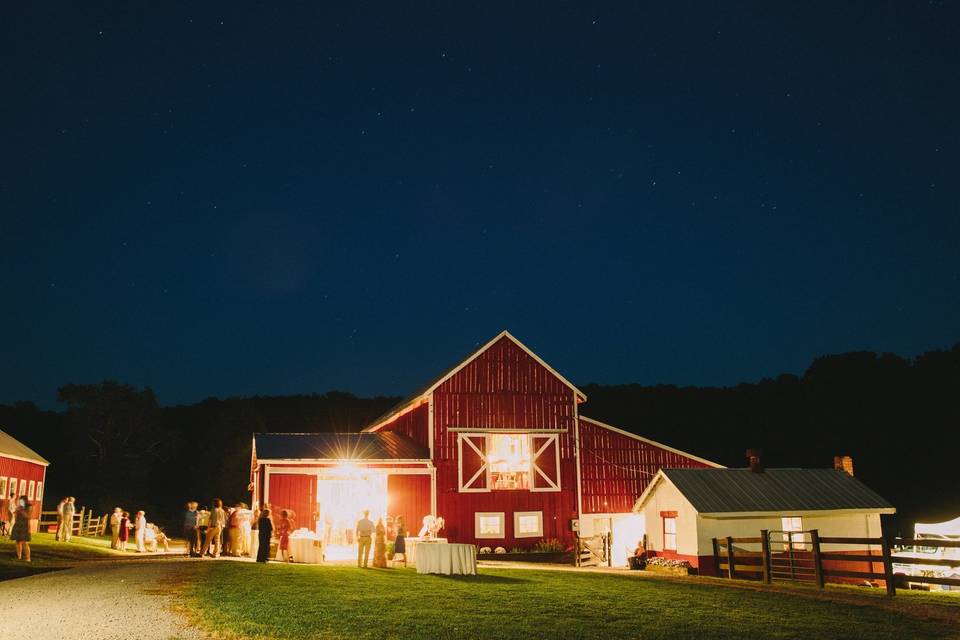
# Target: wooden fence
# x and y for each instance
(799, 556)
(84, 522)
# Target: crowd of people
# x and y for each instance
(147, 536)
(233, 531)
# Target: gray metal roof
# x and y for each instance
(338, 446)
(743, 491)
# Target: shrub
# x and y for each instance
(499, 550)
(549, 546)
(486, 550)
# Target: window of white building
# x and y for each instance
(490, 525)
(793, 524)
(528, 524)
(670, 533)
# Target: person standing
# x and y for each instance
(69, 508)
(254, 542)
(380, 545)
(115, 527)
(215, 525)
(20, 532)
(190, 532)
(233, 532)
(364, 533)
(284, 527)
(264, 533)
(140, 531)
(12, 506)
(400, 543)
(124, 531)
(60, 527)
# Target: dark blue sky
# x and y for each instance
(221, 199)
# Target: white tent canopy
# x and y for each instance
(949, 529)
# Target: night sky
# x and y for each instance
(220, 199)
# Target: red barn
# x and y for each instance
(496, 446)
(22, 471)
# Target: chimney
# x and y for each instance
(753, 455)
(843, 463)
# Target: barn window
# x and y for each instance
(490, 525)
(30, 489)
(509, 456)
(3, 488)
(13, 487)
(793, 533)
(39, 490)
(670, 533)
(23, 487)
(528, 524)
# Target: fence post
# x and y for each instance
(716, 558)
(730, 558)
(817, 560)
(888, 566)
(765, 548)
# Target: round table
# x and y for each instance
(411, 543)
(447, 559)
(305, 548)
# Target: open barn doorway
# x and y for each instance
(342, 497)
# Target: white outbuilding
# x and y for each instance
(685, 509)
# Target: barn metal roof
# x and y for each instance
(10, 447)
(338, 446)
(743, 491)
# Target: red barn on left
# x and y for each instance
(22, 472)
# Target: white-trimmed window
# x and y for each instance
(490, 524)
(3, 488)
(670, 533)
(23, 487)
(30, 489)
(39, 490)
(793, 524)
(528, 524)
(12, 491)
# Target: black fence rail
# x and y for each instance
(799, 556)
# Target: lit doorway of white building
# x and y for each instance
(342, 497)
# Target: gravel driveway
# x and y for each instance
(99, 600)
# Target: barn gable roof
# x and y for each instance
(420, 395)
(338, 446)
(652, 443)
(10, 447)
(727, 492)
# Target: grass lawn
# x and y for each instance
(269, 601)
(48, 555)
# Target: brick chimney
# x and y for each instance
(753, 455)
(843, 463)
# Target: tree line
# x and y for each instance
(114, 444)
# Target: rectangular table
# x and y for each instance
(447, 559)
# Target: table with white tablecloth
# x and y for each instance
(447, 559)
(305, 546)
(411, 543)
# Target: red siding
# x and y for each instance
(615, 468)
(295, 492)
(408, 495)
(21, 470)
(503, 388)
(413, 424)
